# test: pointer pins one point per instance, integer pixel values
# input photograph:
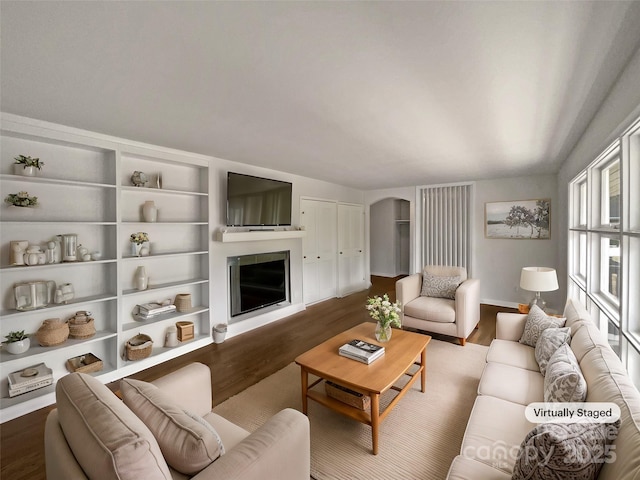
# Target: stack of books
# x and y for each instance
(29, 379)
(150, 310)
(361, 351)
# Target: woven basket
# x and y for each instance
(345, 395)
(53, 331)
(81, 327)
(183, 302)
(138, 347)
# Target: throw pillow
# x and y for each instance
(563, 381)
(188, 445)
(440, 286)
(565, 450)
(549, 341)
(537, 322)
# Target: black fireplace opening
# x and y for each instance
(258, 281)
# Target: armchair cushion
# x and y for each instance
(537, 322)
(440, 286)
(439, 310)
(187, 441)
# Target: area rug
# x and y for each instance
(418, 439)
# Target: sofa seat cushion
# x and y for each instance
(107, 439)
(537, 322)
(463, 468)
(188, 442)
(494, 432)
(512, 353)
(564, 381)
(230, 433)
(513, 384)
(441, 310)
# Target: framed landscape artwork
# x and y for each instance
(518, 219)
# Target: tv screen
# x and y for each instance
(256, 201)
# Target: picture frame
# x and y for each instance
(518, 219)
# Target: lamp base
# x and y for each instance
(537, 300)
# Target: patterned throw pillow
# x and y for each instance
(564, 381)
(550, 340)
(565, 450)
(440, 286)
(537, 321)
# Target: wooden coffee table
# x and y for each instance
(401, 353)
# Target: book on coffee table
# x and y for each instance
(361, 351)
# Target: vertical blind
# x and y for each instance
(446, 226)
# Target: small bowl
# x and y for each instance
(16, 348)
(96, 255)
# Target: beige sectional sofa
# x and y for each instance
(94, 434)
(511, 380)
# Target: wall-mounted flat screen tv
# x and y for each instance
(256, 201)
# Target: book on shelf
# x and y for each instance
(362, 351)
(29, 388)
(29, 376)
(149, 310)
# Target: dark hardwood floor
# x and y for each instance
(236, 364)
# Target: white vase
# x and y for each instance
(140, 279)
(20, 169)
(16, 348)
(136, 248)
(150, 212)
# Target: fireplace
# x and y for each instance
(258, 281)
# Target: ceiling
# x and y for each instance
(364, 94)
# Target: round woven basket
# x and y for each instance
(53, 331)
(183, 302)
(81, 327)
(138, 347)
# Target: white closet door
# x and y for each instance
(351, 260)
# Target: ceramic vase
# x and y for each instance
(16, 348)
(150, 212)
(383, 334)
(20, 169)
(140, 279)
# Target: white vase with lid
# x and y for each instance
(150, 212)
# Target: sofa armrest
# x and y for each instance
(467, 306)
(408, 288)
(279, 449)
(189, 386)
(59, 459)
(510, 326)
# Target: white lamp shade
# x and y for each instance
(539, 279)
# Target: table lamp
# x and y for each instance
(538, 279)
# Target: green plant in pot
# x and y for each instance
(25, 165)
(17, 342)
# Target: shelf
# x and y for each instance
(54, 265)
(258, 235)
(55, 223)
(136, 324)
(163, 286)
(162, 191)
(54, 306)
(164, 255)
(164, 223)
(36, 350)
(54, 181)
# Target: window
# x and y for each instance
(604, 245)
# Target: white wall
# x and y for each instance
(497, 262)
(618, 110)
(382, 256)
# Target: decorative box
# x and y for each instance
(185, 331)
(86, 363)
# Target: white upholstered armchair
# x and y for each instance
(440, 300)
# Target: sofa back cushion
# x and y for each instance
(188, 443)
(575, 313)
(107, 439)
(609, 382)
(586, 338)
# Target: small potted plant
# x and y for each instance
(139, 244)
(27, 166)
(21, 199)
(17, 342)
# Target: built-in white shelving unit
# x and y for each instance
(85, 188)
